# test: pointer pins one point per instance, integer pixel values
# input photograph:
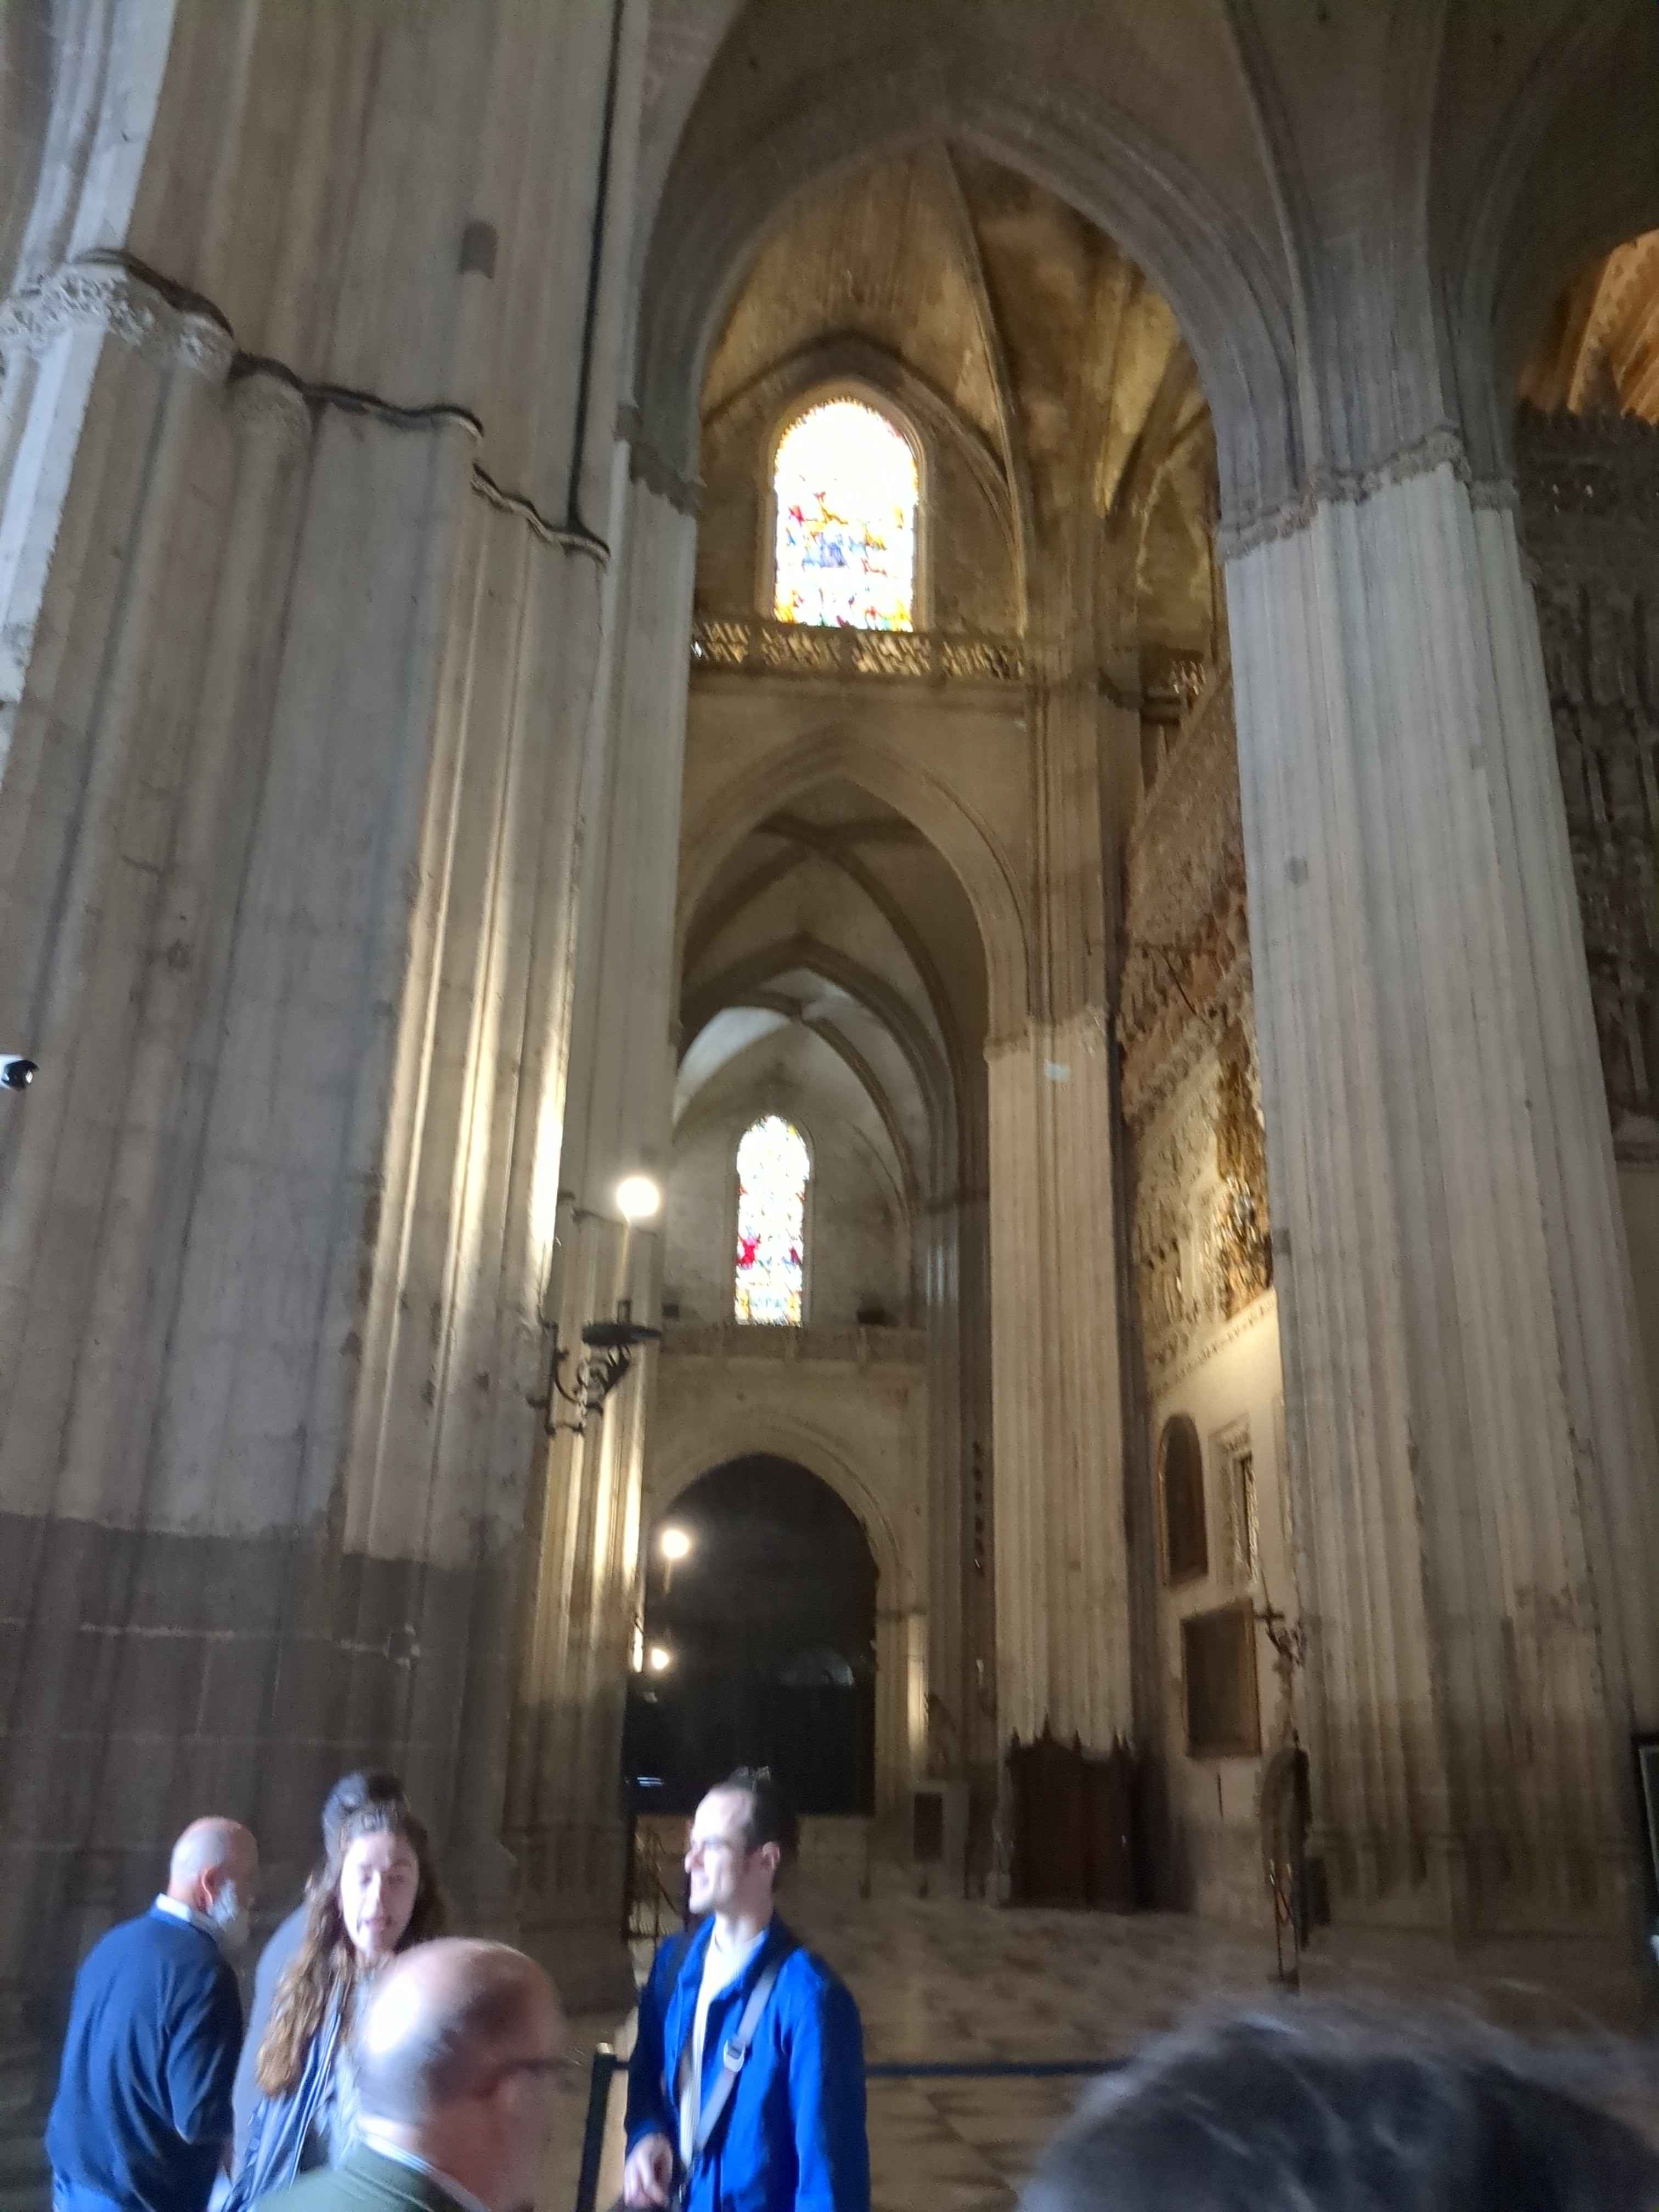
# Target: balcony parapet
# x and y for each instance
(853, 1347)
(753, 644)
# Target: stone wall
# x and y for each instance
(309, 488)
(1204, 1316)
(1589, 488)
(851, 1406)
(858, 1239)
(967, 566)
(1203, 1255)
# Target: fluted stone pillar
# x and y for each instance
(301, 604)
(1061, 1577)
(584, 1604)
(1476, 1499)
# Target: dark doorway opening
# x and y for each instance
(759, 1643)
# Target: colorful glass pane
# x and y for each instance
(773, 1168)
(846, 489)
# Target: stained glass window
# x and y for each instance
(772, 1170)
(846, 489)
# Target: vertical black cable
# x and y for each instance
(595, 259)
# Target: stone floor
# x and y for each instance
(946, 1981)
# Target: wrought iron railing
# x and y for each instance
(655, 1898)
(780, 649)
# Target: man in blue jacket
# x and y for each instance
(142, 2119)
(741, 2001)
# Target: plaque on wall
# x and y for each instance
(1219, 1682)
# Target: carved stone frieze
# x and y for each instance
(1240, 1225)
(783, 648)
(1187, 933)
(1440, 447)
(1200, 1229)
(105, 292)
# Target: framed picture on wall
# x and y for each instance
(1218, 1671)
(1646, 1747)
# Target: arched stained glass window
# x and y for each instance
(845, 483)
(774, 1168)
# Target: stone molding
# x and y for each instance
(266, 402)
(164, 325)
(646, 466)
(173, 328)
(1206, 1345)
(860, 1347)
(1442, 447)
(550, 533)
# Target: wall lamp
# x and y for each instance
(608, 1347)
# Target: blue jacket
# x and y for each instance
(792, 2139)
(142, 2110)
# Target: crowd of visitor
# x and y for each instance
(387, 2067)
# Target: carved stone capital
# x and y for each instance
(104, 291)
(1326, 485)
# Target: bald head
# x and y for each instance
(211, 1846)
(215, 1870)
(447, 2021)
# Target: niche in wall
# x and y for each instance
(1182, 1535)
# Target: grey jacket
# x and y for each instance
(283, 1943)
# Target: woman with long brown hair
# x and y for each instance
(376, 1894)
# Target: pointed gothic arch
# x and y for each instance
(860, 755)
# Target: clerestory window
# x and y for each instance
(774, 1169)
(845, 487)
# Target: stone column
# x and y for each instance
(1062, 1613)
(1476, 1494)
(301, 614)
(566, 1819)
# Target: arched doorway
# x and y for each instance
(759, 1642)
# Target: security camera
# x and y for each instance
(16, 1073)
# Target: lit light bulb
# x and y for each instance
(660, 1658)
(676, 1544)
(638, 1198)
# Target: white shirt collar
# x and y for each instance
(373, 2140)
(188, 1913)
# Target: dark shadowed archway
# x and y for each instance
(759, 1643)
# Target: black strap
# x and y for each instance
(733, 2054)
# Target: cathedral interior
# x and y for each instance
(950, 712)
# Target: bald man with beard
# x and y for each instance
(454, 2060)
(142, 2120)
